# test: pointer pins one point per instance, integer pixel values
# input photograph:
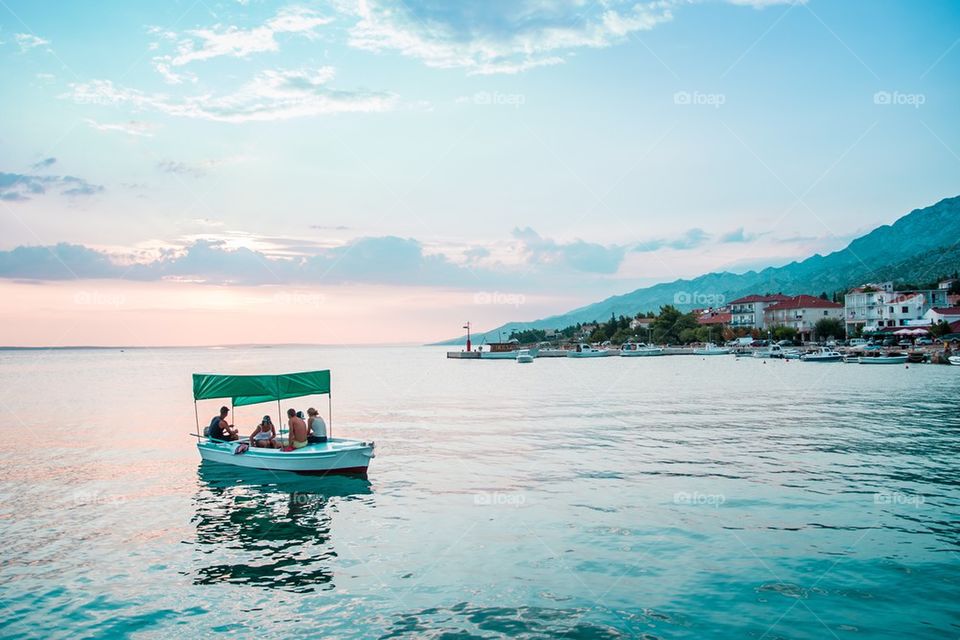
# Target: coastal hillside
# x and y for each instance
(917, 247)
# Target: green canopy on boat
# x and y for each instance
(244, 390)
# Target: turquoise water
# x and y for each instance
(673, 497)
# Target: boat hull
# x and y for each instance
(589, 354)
(837, 358)
(954, 360)
(498, 355)
(641, 353)
(884, 360)
(337, 455)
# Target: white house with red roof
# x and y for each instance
(875, 307)
(947, 314)
(747, 312)
(802, 313)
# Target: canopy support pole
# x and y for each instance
(330, 414)
(279, 417)
(196, 414)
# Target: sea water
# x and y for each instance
(661, 497)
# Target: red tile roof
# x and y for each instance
(715, 318)
(805, 302)
(777, 297)
(947, 311)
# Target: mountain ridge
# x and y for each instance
(921, 243)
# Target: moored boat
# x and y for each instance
(524, 356)
(711, 349)
(587, 351)
(823, 354)
(954, 360)
(887, 359)
(334, 455)
(773, 351)
(633, 350)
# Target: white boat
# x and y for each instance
(822, 354)
(883, 360)
(792, 354)
(499, 355)
(334, 455)
(338, 455)
(954, 360)
(524, 356)
(632, 350)
(586, 351)
(711, 349)
(773, 351)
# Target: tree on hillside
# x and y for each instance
(671, 323)
(828, 328)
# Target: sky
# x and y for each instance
(381, 171)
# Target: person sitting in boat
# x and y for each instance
(265, 435)
(316, 427)
(219, 429)
(298, 429)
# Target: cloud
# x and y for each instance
(690, 239)
(738, 235)
(181, 168)
(44, 164)
(270, 95)
(19, 187)
(382, 260)
(131, 127)
(57, 262)
(577, 255)
(232, 41)
(28, 41)
(496, 38)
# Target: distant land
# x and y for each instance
(915, 248)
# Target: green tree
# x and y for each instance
(940, 329)
(529, 336)
(671, 322)
(828, 328)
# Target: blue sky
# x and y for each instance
(564, 151)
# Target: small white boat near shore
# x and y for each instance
(524, 356)
(822, 354)
(711, 349)
(634, 350)
(954, 360)
(587, 351)
(883, 359)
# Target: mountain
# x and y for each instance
(916, 248)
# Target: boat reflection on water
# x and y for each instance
(266, 529)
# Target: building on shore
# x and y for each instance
(874, 307)
(802, 313)
(711, 316)
(748, 312)
(945, 314)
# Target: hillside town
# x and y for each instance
(878, 315)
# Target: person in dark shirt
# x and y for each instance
(219, 429)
